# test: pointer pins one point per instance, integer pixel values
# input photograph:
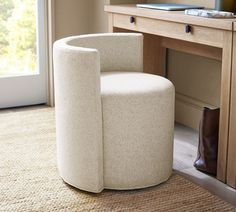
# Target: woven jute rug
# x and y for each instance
(29, 180)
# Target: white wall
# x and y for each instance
(98, 18)
(71, 17)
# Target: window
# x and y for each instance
(18, 37)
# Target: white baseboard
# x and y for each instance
(188, 111)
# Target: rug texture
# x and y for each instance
(29, 180)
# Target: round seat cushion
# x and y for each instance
(131, 83)
(138, 121)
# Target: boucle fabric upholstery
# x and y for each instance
(114, 125)
(117, 53)
(138, 122)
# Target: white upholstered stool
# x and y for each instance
(114, 124)
(138, 129)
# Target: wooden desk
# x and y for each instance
(231, 162)
(212, 38)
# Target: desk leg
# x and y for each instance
(231, 162)
(110, 22)
(225, 106)
(154, 55)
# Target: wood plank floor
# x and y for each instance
(185, 152)
(185, 147)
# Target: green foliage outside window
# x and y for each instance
(17, 37)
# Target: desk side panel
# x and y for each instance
(231, 165)
(225, 106)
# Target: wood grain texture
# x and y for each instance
(202, 35)
(173, 16)
(231, 162)
(110, 22)
(225, 106)
(193, 48)
(154, 55)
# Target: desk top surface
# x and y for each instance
(174, 16)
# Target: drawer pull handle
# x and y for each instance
(188, 28)
(132, 19)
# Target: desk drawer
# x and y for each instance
(198, 34)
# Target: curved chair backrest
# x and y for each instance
(77, 64)
(78, 112)
(118, 51)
